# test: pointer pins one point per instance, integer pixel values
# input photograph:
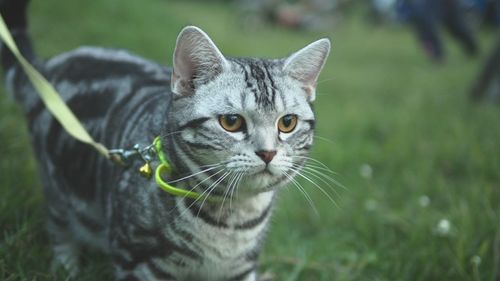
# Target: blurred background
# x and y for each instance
(408, 118)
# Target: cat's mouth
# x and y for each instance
(265, 172)
(265, 176)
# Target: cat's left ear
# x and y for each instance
(306, 64)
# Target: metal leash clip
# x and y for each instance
(123, 157)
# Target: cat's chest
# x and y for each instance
(226, 237)
(226, 247)
(222, 244)
(225, 253)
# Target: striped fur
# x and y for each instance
(123, 99)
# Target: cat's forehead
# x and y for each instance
(257, 86)
(262, 82)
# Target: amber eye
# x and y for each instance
(287, 123)
(232, 122)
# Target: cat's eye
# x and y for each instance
(232, 122)
(287, 123)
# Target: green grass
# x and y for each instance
(380, 104)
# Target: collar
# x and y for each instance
(123, 157)
(165, 167)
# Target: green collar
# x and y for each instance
(122, 158)
(165, 167)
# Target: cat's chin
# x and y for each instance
(264, 181)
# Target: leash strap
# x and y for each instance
(50, 97)
(70, 123)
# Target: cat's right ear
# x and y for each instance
(196, 61)
(306, 64)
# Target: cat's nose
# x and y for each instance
(266, 156)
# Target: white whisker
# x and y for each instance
(231, 190)
(312, 159)
(314, 169)
(210, 189)
(302, 190)
(226, 193)
(203, 193)
(325, 80)
(236, 186)
(215, 166)
(324, 139)
(318, 175)
(171, 133)
(319, 168)
(315, 184)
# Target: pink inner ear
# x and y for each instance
(310, 92)
(309, 89)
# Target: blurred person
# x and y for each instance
(484, 12)
(492, 13)
(427, 16)
(487, 83)
(296, 14)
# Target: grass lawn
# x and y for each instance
(420, 163)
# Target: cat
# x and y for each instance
(233, 128)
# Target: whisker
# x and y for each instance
(236, 186)
(226, 193)
(231, 189)
(324, 139)
(210, 189)
(215, 166)
(302, 190)
(316, 185)
(313, 160)
(318, 165)
(325, 80)
(171, 133)
(205, 179)
(331, 179)
(318, 175)
(203, 193)
(311, 165)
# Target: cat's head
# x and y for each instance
(243, 120)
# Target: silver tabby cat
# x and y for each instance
(236, 128)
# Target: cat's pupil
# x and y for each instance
(232, 119)
(287, 120)
(287, 123)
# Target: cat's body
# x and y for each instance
(123, 100)
(73, 169)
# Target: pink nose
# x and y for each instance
(266, 156)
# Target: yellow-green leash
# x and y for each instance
(50, 97)
(72, 125)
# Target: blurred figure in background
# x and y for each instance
(315, 15)
(484, 12)
(383, 11)
(426, 17)
(487, 84)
